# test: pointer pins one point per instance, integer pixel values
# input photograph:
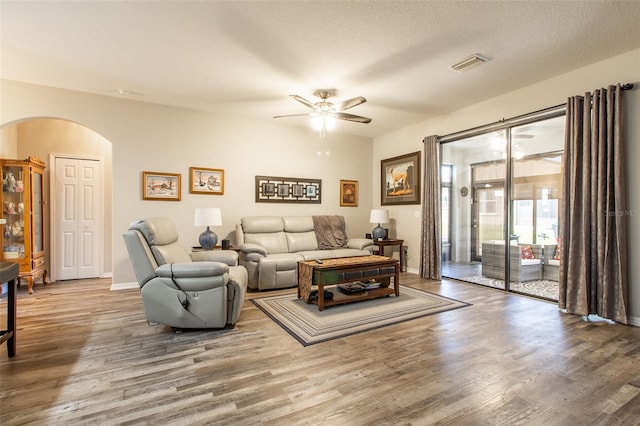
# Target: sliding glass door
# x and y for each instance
(504, 190)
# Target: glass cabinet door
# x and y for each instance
(38, 245)
(13, 212)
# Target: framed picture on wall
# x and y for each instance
(297, 190)
(283, 190)
(206, 181)
(349, 193)
(161, 186)
(400, 180)
(274, 189)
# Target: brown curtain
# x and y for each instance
(593, 265)
(430, 234)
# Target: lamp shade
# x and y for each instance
(379, 216)
(210, 216)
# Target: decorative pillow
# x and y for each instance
(526, 252)
(556, 255)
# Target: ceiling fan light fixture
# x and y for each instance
(323, 122)
(317, 122)
(468, 63)
(325, 113)
(329, 122)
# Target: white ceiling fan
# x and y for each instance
(325, 110)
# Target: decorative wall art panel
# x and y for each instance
(272, 189)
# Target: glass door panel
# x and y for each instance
(536, 182)
(474, 213)
(475, 194)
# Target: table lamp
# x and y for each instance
(210, 216)
(379, 216)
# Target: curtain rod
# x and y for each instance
(546, 113)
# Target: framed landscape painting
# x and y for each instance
(161, 186)
(206, 181)
(400, 180)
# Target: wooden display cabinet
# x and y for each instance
(23, 209)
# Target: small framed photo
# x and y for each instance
(161, 186)
(311, 191)
(206, 181)
(297, 190)
(400, 180)
(349, 193)
(268, 189)
(283, 190)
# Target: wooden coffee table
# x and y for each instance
(347, 270)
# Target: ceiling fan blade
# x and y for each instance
(295, 115)
(304, 101)
(350, 103)
(351, 117)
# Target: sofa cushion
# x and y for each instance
(170, 253)
(281, 261)
(302, 241)
(262, 224)
(347, 252)
(332, 254)
(297, 223)
(275, 242)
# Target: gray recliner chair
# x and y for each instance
(184, 290)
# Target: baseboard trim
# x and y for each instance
(124, 286)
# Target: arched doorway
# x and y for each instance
(58, 141)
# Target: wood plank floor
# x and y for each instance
(85, 355)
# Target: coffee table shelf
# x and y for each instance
(332, 272)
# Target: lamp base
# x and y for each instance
(378, 233)
(208, 239)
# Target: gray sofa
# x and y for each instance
(551, 265)
(520, 269)
(270, 247)
(180, 289)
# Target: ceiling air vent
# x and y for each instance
(468, 63)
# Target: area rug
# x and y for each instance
(309, 326)
(541, 288)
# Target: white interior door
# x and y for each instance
(77, 239)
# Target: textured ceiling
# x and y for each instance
(247, 57)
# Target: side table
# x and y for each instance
(198, 248)
(381, 244)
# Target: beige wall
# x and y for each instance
(620, 69)
(9, 142)
(163, 139)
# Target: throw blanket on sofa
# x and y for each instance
(330, 232)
